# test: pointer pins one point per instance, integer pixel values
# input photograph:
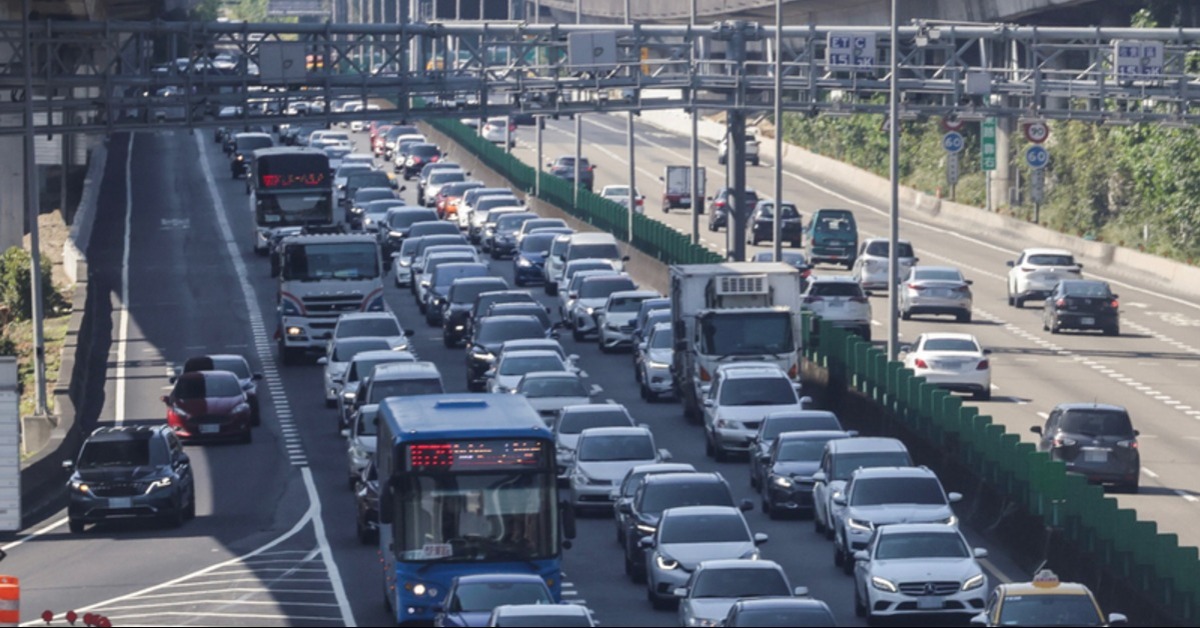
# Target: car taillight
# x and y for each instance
(1025, 269)
(719, 204)
(704, 376)
(921, 364)
(962, 289)
(1061, 303)
(1115, 304)
(416, 160)
(1130, 444)
(913, 286)
(434, 158)
(512, 127)
(1060, 441)
(982, 366)
(806, 273)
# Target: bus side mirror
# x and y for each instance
(568, 520)
(385, 503)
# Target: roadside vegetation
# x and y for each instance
(16, 328)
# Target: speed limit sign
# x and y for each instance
(1037, 132)
(952, 123)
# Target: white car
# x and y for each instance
(618, 318)
(549, 392)
(936, 290)
(654, 359)
(687, 536)
(359, 370)
(1036, 272)
(336, 361)
(511, 366)
(952, 361)
(740, 396)
(620, 194)
(603, 457)
(840, 300)
(382, 324)
(871, 266)
(361, 439)
(841, 459)
(576, 418)
(591, 297)
(717, 585)
(499, 130)
(563, 284)
(918, 569)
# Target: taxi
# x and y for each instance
(1045, 601)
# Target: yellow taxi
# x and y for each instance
(1044, 601)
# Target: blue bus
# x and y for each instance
(467, 485)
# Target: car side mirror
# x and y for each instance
(839, 500)
(257, 376)
(954, 497)
(1116, 296)
(1117, 619)
(554, 335)
(760, 538)
(664, 455)
(980, 552)
(981, 620)
(322, 360)
(625, 508)
(574, 357)
(987, 352)
(68, 465)
(746, 505)
(800, 591)
(969, 282)
(646, 542)
(819, 476)
(409, 332)
(868, 293)
(1010, 264)
(625, 259)
(345, 433)
(1079, 266)
(172, 379)
(1037, 429)
(852, 433)
(708, 403)
(862, 556)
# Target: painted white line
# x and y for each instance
(1149, 472)
(123, 325)
(339, 588)
(1187, 496)
(1044, 415)
(36, 533)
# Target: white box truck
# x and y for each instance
(732, 312)
(677, 188)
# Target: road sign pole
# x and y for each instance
(893, 339)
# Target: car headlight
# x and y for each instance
(241, 407)
(406, 263)
(700, 621)
(81, 487)
(782, 482)
(950, 521)
(157, 484)
(658, 365)
(591, 311)
(524, 263)
(883, 584)
(395, 234)
(479, 353)
(974, 582)
(348, 396)
(859, 525)
(665, 563)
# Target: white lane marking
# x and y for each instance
(1149, 472)
(123, 329)
(1187, 496)
(251, 300)
(36, 533)
(995, 571)
(1044, 415)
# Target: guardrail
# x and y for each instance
(649, 236)
(1084, 535)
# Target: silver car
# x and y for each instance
(336, 360)
(619, 317)
(936, 290)
(717, 584)
(587, 309)
(871, 266)
(603, 457)
(359, 370)
(361, 439)
(741, 395)
(381, 324)
(654, 358)
(688, 536)
(549, 392)
(574, 419)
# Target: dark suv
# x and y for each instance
(564, 168)
(722, 204)
(659, 492)
(130, 471)
(1096, 440)
(463, 293)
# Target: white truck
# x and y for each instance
(732, 312)
(322, 277)
(677, 187)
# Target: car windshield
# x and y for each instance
(740, 583)
(576, 422)
(512, 222)
(602, 287)
(405, 219)
(537, 243)
(902, 490)
(125, 452)
(1049, 610)
(936, 274)
(1093, 289)
(361, 368)
(423, 150)
(484, 596)
(355, 328)
(446, 276)
(757, 391)
(497, 331)
(371, 179)
(950, 344)
(846, 464)
(520, 365)
(553, 387)
(347, 168)
(625, 304)
(1050, 260)
(346, 349)
(233, 364)
(661, 340)
(807, 422)
(616, 447)
(767, 211)
(314, 262)
(578, 267)
(801, 450)
(747, 334)
(785, 617)
(447, 176)
(594, 251)
(715, 528)
(921, 545)
(879, 248)
(521, 309)
(573, 620)
(372, 194)
(836, 289)
(1097, 422)
(661, 496)
(381, 390)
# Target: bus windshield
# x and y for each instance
(476, 517)
(291, 209)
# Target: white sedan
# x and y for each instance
(952, 361)
(620, 194)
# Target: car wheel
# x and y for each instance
(551, 289)
(189, 512)
(75, 526)
(1129, 488)
(248, 437)
(175, 518)
(818, 523)
(795, 244)
(712, 227)
(1010, 299)
(1018, 302)
(1114, 330)
(708, 445)
(639, 574)
(983, 395)
(754, 161)
(847, 562)
(628, 565)
(603, 347)
(448, 342)
(330, 403)
(1054, 326)
(520, 283)
(645, 392)
(255, 413)
(766, 508)
(860, 609)
(905, 315)
(576, 334)
(719, 454)
(964, 317)
(838, 559)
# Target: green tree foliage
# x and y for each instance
(249, 10)
(15, 284)
(206, 10)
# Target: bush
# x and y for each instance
(15, 285)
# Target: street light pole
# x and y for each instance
(539, 121)
(697, 193)
(893, 341)
(578, 124)
(777, 222)
(629, 141)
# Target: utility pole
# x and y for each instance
(777, 222)
(736, 155)
(31, 211)
(893, 342)
(697, 193)
(629, 142)
(578, 124)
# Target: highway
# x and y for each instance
(274, 542)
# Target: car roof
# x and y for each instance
(359, 316)
(508, 318)
(812, 435)
(748, 370)
(695, 511)
(359, 340)
(615, 431)
(550, 375)
(738, 563)
(524, 344)
(529, 353)
(686, 477)
(542, 610)
(596, 407)
(803, 414)
(870, 240)
(486, 578)
(126, 432)
(866, 444)
(633, 294)
(943, 268)
(949, 335)
(380, 354)
(867, 473)
(781, 603)
(901, 528)
(406, 370)
(592, 237)
(831, 279)
(1083, 405)
(1045, 251)
(661, 467)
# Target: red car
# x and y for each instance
(209, 405)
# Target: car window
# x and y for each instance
(757, 391)
(553, 387)
(483, 597)
(616, 447)
(807, 422)
(937, 274)
(1049, 610)
(1096, 422)
(1093, 289)
(521, 365)
(740, 583)
(950, 344)
(903, 490)
(801, 450)
(833, 225)
(368, 327)
(362, 368)
(596, 251)
(661, 340)
(836, 289)
(723, 528)
(466, 292)
(576, 422)
(598, 288)
(125, 452)
(1050, 260)
(920, 545)
(659, 497)
(367, 424)
(401, 220)
(345, 351)
(537, 243)
(381, 390)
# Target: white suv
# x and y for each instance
(840, 300)
(871, 265)
(1036, 272)
(740, 396)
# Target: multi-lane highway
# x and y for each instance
(274, 542)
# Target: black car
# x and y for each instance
(1082, 304)
(417, 155)
(537, 310)
(502, 241)
(366, 496)
(762, 224)
(235, 364)
(362, 196)
(463, 293)
(487, 335)
(130, 471)
(659, 492)
(564, 168)
(787, 473)
(244, 145)
(777, 423)
(368, 179)
(1095, 440)
(484, 302)
(718, 214)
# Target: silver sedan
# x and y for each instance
(936, 290)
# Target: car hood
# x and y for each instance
(750, 413)
(469, 620)
(597, 303)
(691, 554)
(533, 257)
(900, 513)
(711, 608)
(337, 369)
(568, 441)
(925, 569)
(799, 468)
(209, 405)
(350, 387)
(611, 471)
(508, 381)
(661, 355)
(621, 318)
(98, 475)
(557, 403)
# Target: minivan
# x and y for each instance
(831, 237)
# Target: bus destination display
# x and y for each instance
(479, 455)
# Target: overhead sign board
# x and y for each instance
(592, 52)
(282, 62)
(287, 8)
(850, 51)
(1137, 60)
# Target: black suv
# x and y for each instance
(461, 300)
(1096, 440)
(564, 168)
(718, 215)
(130, 471)
(659, 492)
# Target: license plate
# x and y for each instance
(929, 603)
(1087, 320)
(1095, 455)
(835, 304)
(120, 502)
(210, 428)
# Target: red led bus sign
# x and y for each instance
(293, 181)
(482, 455)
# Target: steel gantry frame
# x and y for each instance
(109, 76)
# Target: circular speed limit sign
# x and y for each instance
(952, 123)
(1037, 132)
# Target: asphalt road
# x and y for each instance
(274, 542)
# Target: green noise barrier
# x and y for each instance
(1132, 567)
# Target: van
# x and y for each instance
(399, 379)
(831, 237)
(596, 246)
